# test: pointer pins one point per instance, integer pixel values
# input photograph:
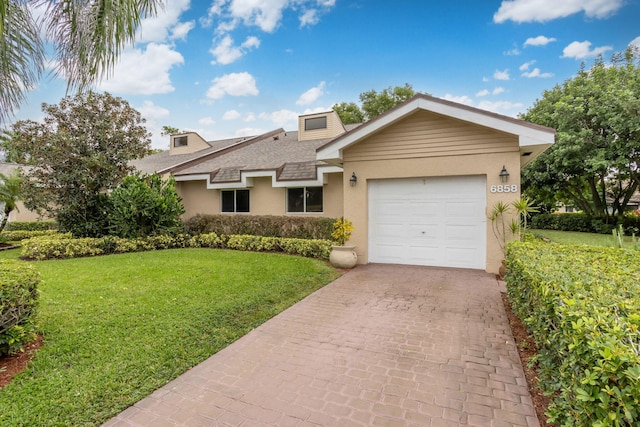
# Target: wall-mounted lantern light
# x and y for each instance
(353, 180)
(504, 175)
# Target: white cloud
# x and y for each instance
(250, 118)
(143, 72)
(230, 115)
(539, 41)
(249, 131)
(513, 52)
(282, 118)
(157, 28)
(485, 92)
(264, 14)
(310, 17)
(311, 95)
(501, 75)
(537, 73)
(226, 52)
(234, 84)
(486, 79)
(464, 99)
(180, 30)
(207, 121)
(547, 10)
(526, 65)
(580, 50)
(635, 42)
(502, 107)
(150, 111)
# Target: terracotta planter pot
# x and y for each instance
(343, 256)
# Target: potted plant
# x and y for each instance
(342, 256)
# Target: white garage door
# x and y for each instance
(428, 221)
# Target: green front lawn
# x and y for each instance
(577, 238)
(118, 327)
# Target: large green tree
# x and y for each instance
(594, 162)
(80, 152)
(86, 36)
(373, 103)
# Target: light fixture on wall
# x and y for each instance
(504, 175)
(353, 180)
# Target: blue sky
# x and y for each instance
(226, 68)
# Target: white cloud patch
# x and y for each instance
(310, 96)
(150, 111)
(282, 118)
(249, 131)
(464, 99)
(483, 92)
(548, 10)
(250, 117)
(513, 52)
(207, 121)
(501, 75)
(234, 84)
(635, 43)
(536, 73)
(502, 107)
(143, 72)
(539, 41)
(180, 30)
(226, 53)
(264, 14)
(498, 91)
(158, 28)
(230, 115)
(581, 50)
(526, 65)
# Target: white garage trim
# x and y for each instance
(434, 221)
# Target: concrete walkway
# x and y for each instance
(381, 346)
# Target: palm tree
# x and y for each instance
(9, 194)
(87, 37)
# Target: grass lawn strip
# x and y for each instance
(118, 327)
(590, 239)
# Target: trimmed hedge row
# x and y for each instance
(18, 303)
(18, 235)
(582, 306)
(31, 226)
(296, 227)
(584, 223)
(63, 246)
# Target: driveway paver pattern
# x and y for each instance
(384, 345)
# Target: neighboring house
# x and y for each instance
(417, 182)
(21, 213)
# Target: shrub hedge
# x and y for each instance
(585, 223)
(18, 302)
(17, 235)
(296, 227)
(582, 306)
(31, 226)
(54, 246)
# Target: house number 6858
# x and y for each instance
(504, 188)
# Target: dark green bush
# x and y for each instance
(52, 247)
(582, 306)
(31, 226)
(578, 222)
(296, 227)
(18, 303)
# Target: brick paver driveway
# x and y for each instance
(381, 346)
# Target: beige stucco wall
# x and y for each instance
(22, 214)
(264, 199)
(388, 159)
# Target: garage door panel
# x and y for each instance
(428, 221)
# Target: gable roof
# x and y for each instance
(532, 139)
